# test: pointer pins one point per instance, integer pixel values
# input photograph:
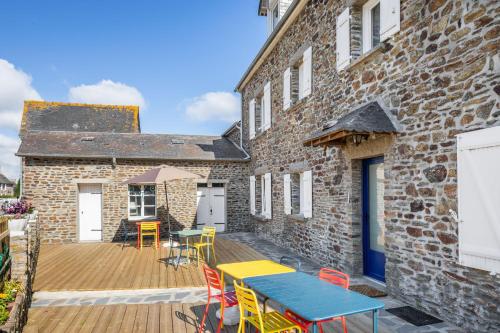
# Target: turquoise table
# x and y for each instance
(186, 234)
(313, 299)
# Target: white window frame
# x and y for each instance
(142, 195)
(367, 24)
(276, 8)
(304, 210)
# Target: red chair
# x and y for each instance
(227, 299)
(334, 277)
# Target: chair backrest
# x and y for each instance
(247, 301)
(123, 224)
(291, 262)
(148, 226)
(334, 277)
(208, 234)
(212, 278)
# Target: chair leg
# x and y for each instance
(179, 257)
(344, 324)
(205, 313)
(221, 321)
(213, 252)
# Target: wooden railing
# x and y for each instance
(4, 248)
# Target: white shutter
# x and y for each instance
(287, 194)
(306, 192)
(478, 199)
(267, 106)
(343, 40)
(287, 80)
(262, 195)
(268, 195)
(251, 118)
(252, 195)
(307, 75)
(389, 18)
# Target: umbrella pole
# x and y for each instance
(168, 211)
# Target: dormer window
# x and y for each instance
(276, 15)
(274, 10)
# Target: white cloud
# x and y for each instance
(107, 92)
(9, 164)
(221, 105)
(15, 87)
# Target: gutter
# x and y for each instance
(295, 7)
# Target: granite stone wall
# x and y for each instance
(438, 76)
(52, 186)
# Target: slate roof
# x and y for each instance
(128, 146)
(5, 180)
(369, 118)
(56, 116)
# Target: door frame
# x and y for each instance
(365, 206)
(78, 213)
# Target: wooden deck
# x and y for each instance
(106, 266)
(171, 318)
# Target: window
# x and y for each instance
(478, 157)
(298, 194)
(297, 80)
(142, 201)
(371, 25)
(260, 112)
(275, 15)
(260, 195)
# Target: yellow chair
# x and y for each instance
(268, 322)
(207, 240)
(149, 229)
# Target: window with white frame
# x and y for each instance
(297, 79)
(478, 158)
(260, 195)
(275, 15)
(259, 111)
(380, 20)
(142, 201)
(298, 194)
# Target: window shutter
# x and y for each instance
(287, 80)
(251, 118)
(267, 106)
(478, 154)
(287, 194)
(252, 195)
(389, 18)
(343, 40)
(268, 195)
(307, 193)
(307, 75)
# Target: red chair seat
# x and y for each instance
(229, 298)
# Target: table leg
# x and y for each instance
(375, 321)
(187, 252)
(138, 236)
(315, 327)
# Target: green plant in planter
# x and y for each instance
(4, 314)
(11, 288)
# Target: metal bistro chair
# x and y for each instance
(331, 276)
(291, 262)
(126, 232)
(207, 239)
(270, 322)
(226, 299)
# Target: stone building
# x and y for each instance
(355, 114)
(6, 186)
(76, 158)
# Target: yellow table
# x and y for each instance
(246, 269)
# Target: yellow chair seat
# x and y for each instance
(273, 322)
(202, 244)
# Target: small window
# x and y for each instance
(142, 201)
(276, 15)
(260, 195)
(371, 25)
(298, 194)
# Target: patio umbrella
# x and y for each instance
(162, 174)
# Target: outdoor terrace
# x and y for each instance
(101, 287)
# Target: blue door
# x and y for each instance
(373, 218)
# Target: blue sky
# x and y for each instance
(166, 55)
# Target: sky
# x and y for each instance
(178, 60)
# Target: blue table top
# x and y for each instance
(310, 297)
(188, 232)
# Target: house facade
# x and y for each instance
(369, 125)
(76, 159)
(6, 186)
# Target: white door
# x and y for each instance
(89, 203)
(211, 208)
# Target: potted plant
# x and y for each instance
(20, 210)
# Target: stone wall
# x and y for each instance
(52, 186)
(439, 76)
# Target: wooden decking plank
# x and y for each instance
(177, 317)
(80, 319)
(166, 320)
(141, 319)
(67, 320)
(116, 319)
(153, 324)
(92, 319)
(104, 319)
